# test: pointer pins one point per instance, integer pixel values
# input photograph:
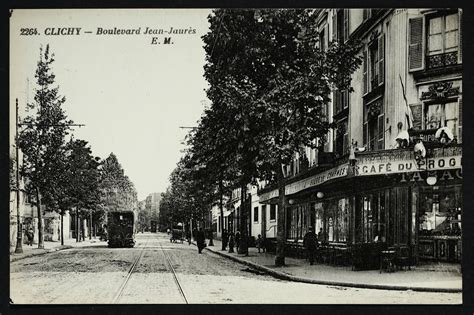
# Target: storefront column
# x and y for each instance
(352, 209)
(414, 223)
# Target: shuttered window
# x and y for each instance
(374, 74)
(334, 27)
(381, 56)
(380, 136)
(364, 134)
(365, 74)
(415, 44)
(346, 24)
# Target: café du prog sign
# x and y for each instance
(404, 161)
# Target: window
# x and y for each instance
(323, 37)
(340, 25)
(373, 130)
(342, 222)
(440, 211)
(438, 37)
(373, 218)
(255, 214)
(298, 221)
(439, 115)
(374, 64)
(337, 220)
(273, 212)
(341, 101)
(319, 217)
(341, 141)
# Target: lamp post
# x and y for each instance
(19, 238)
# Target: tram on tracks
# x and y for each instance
(121, 228)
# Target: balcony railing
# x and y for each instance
(442, 60)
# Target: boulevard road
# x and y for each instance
(157, 271)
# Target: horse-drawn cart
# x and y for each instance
(177, 233)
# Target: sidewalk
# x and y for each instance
(419, 278)
(50, 247)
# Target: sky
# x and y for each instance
(131, 95)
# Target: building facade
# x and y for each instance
(405, 114)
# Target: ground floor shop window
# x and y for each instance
(319, 220)
(298, 221)
(440, 211)
(337, 220)
(372, 218)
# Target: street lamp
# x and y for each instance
(19, 232)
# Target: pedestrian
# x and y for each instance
(225, 239)
(260, 242)
(237, 240)
(310, 243)
(105, 233)
(201, 240)
(30, 234)
(231, 242)
(168, 231)
(188, 236)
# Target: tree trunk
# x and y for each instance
(62, 227)
(243, 246)
(40, 221)
(90, 226)
(77, 225)
(281, 221)
(221, 208)
(83, 230)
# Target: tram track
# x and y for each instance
(175, 276)
(121, 289)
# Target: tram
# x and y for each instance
(121, 228)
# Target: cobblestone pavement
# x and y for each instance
(157, 271)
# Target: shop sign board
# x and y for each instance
(393, 166)
(315, 180)
(268, 195)
(318, 179)
(394, 162)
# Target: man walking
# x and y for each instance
(225, 239)
(231, 242)
(200, 239)
(237, 240)
(310, 242)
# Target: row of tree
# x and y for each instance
(63, 174)
(269, 87)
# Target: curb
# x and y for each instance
(46, 251)
(285, 276)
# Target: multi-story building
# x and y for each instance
(260, 218)
(405, 113)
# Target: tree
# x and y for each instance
(265, 69)
(118, 192)
(42, 141)
(213, 155)
(80, 180)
